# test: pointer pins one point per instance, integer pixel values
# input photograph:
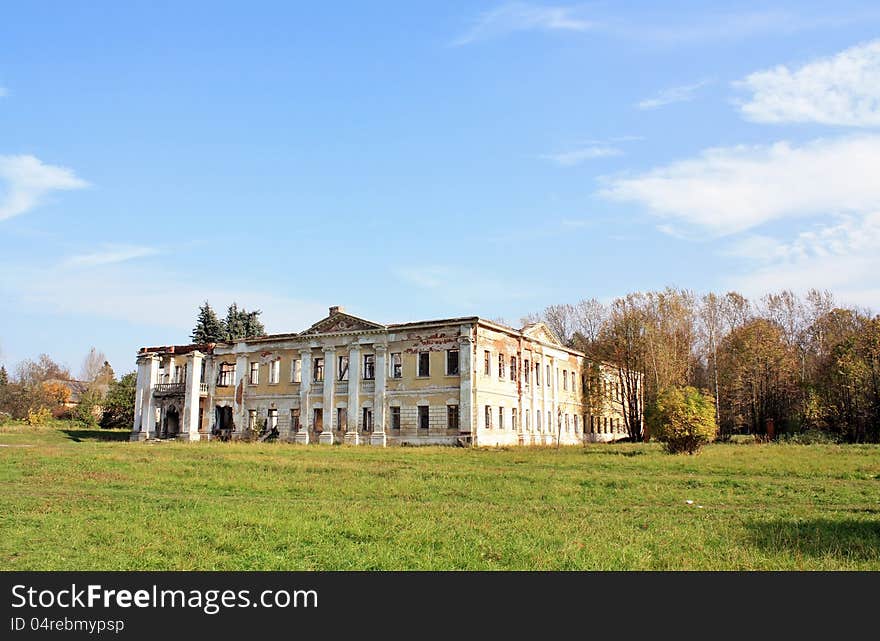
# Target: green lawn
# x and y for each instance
(88, 500)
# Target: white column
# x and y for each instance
(148, 376)
(465, 407)
(533, 397)
(192, 396)
(557, 421)
(305, 407)
(239, 407)
(378, 436)
(326, 435)
(352, 436)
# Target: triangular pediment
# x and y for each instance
(540, 332)
(342, 322)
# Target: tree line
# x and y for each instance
(42, 389)
(781, 364)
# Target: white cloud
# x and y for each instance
(26, 181)
(840, 90)
(110, 254)
(521, 16)
(462, 288)
(733, 189)
(157, 297)
(577, 156)
(843, 256)
(3, 92)
(670, 96)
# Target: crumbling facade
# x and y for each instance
(346, 379)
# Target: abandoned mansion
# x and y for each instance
(346, 379)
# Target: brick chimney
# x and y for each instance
(336, 309)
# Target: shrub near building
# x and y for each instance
(683, 419)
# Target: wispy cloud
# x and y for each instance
(521, 16)
(124, 292)
(462, 288)
(843, 89)
(843, 256)
(733, 189)
(25, 181)
(3, 92)
(683, 93)
(110, 254)
(577, 156)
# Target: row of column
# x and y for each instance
(145, 404)
(352, 434)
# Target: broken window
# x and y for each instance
(548, 376)
(500, 418)
(528, 422)
(343, 368)
(318, 374)
(488, 417)
(537, 373)
(254, 378)
(423, 417)
(252, 420)
(500, 365)
(226, 376)
(294, 420)
(274, 372)
(513, 368)
(424, 364)
(395, 418)
(538, 419)
(295, 370)
(272, 423)
(452, 417)
(513, 418)
(342, 418)
(526, 372)
(565, 380)
(396, 365)
(487, 362)
(368, 419)
(369, 367)
(452, 362)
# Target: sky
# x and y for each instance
(421, 160)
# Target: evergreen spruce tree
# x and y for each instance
(4, 377)
(240, 323)
(252, 325)
(233, 327)
(208, 327)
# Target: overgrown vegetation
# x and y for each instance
(783, 364)
(79, 499)
(683, 419)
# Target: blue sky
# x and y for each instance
(414, 160)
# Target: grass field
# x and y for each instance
(88, 500)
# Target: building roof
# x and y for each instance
(339, 321)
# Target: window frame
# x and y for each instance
(254, 373)
(426, 355)
(369, 362)
(424, 411)
(457, 362)
(453, 417)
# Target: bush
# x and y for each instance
(39, 416)
(683, 419)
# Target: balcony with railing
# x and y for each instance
(168, 389)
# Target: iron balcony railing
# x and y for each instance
(168, 389)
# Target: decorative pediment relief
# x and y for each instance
(540, 331)
(341, 322)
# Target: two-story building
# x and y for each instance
(346, 379)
